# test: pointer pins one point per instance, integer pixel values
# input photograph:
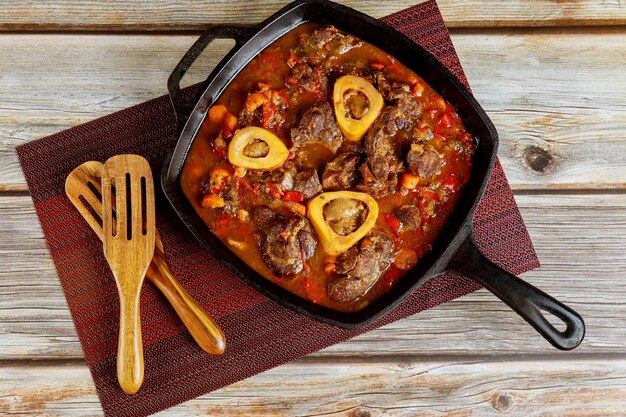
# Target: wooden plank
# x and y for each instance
(32, 15)
(475, 387)
(561, 123)
(579, 238)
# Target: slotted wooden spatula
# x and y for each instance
(128, 226)
(83, 188)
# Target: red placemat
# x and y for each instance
(177, 370)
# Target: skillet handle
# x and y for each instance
(183, 107)
(526, 300)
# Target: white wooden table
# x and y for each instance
(551, 74)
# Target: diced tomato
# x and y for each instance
(445, 122)
(393, 223)
(451, 184)
(246, 184)
(428, 194)
(418, 89)
(467, 138)
(293, 196)
(273, 189)
(378, 65)
(292, 61)
(220, 152)
(222, 224)
(391, 276)
(282, 93)
(268, 113)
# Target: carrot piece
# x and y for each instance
(298, 208)
(255, 100)
(217, 113)
(229, 125)
(409, 181)
(393, 223)
(212, 201)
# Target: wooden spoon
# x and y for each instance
(84, 190)
(129, 239)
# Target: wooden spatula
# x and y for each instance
(128, 226)
(84, 190)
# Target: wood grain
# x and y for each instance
(579, 239)
(469, 387)
(560, 121)
(110, 15)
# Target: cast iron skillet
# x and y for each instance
(454, 250)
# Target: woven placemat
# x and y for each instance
(261, 334)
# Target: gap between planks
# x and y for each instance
(378, 359)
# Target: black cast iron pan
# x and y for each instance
(454, 250)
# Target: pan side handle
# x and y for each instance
(526, 300)
(184, 107)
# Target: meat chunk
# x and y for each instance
(382, 165)
(220, 191)
(409, 111)
(324, 46)
(318, 125)
(408, 107)
(409, 216)
(266, 108)
(285, 243)
(307, 183)
(290, 177)
(360, 266)
(309, 79)
(424, 163)
(341, 172)
(230, 194)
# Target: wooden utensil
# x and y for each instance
(129, 239)
(84, 190)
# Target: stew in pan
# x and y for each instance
(328, 167)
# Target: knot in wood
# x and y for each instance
(503, 402)
(360, 413)
(539, 159)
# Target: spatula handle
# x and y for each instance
(129, 347)
(204, 330)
